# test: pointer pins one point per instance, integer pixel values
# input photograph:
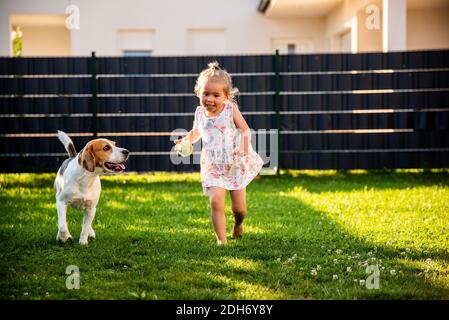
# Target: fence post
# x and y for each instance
(277, 104)
(93, 90)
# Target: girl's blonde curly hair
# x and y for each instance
(215, 71)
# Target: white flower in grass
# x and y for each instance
(318, 267)
(335, 261)
(335, 277)
(313, 272)
(338, 251)
(428, 261)
(362, 282)
(293, 258)
(407, 249)
(393, 272)
(348, 269)
(370, 253)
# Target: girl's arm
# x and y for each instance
(241, 124)
(193, 136)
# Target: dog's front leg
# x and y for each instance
(87, 230)
(63, 230)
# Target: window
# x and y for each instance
(291, 48)
(135, 43)
(137, 53)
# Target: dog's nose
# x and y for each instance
(125, 152)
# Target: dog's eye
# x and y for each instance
(106, 148)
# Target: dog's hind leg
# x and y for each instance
(87, 231)
(63, 230)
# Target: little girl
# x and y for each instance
(228, 162)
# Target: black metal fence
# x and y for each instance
(340, 111)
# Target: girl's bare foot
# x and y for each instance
(222, 243)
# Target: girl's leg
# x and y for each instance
(238, 198)
(217, 206)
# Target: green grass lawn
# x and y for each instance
(309, 235)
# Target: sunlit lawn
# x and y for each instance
(309, 235)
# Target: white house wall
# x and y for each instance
(246, 30)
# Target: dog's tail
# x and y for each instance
(68, 143)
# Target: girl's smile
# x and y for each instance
(213, 97)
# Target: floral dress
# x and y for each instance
(219, 166)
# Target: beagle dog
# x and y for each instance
(78, 183)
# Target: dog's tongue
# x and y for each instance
(119, 166)
(116, 166)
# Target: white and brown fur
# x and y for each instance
(78, 183)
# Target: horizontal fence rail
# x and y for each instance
(332, 111)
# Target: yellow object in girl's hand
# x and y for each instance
(184, 148)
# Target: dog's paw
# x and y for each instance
(91, 234)
(63, 237)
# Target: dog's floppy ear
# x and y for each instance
(87, 158)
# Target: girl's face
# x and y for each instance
(212, 96)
